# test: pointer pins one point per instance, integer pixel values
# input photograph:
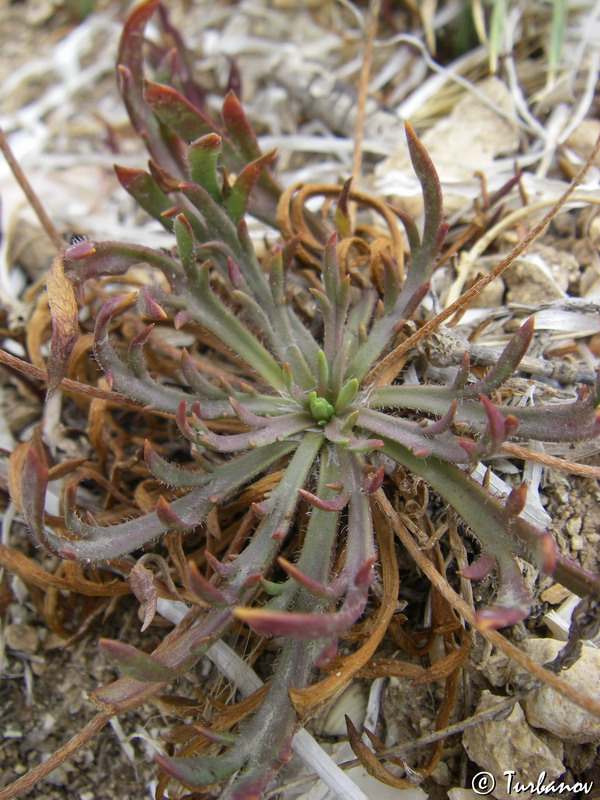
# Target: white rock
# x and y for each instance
(501, 746)
(547, 709)
(352, 703)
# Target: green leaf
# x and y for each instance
(135, 663)
(238, 199)
(144, 189)
(203, 156)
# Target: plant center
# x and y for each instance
(321, 409)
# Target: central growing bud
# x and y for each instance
(321, 409)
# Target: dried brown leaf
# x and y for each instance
(65, 322)
(371, 763)
(141, 581)
(16, 462)
(96, 427)
(37, 332)
(31, 573)
(65, 468)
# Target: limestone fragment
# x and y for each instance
(509, 746)
(546, 709)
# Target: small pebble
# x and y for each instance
(554, 594)
(577, 542)
(573, 525)
(23, 638)
(12, 731)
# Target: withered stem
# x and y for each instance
(32, 198)
(28, 780)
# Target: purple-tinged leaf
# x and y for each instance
(167, 182)
(471, 449)
(204, 589)
(441, 425)
(130, 67)
(149, 306)
(64, 313)
(336, 503)
(146, 192)
(98, 542)
(498, 532)
(365, 574)
(556, 422)
(480, 568)
(411, 434)
(218, 737)
(115, 258)
(177, 113)
(495, 425)
(79, 250)
(169, 518)
(434, 229)
(135, 663)
(462, 375)
(375, 481)
(238, 127)
(496, 617)
(219, 567)
(327, 654)
(513, 602)
(237, 201)
(277, 429)
(113, 306)
(357, 445)
(515, 502)
(313, 586)
(247, 417)
(233, 271)
(507, 362)
(301, 625)
(136, 344)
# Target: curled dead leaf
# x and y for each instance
(65, 322)
(141, 581)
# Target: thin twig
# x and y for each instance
(551, 461)
(66, 384)
(384, 373)
(28, 780)
(29, 193)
